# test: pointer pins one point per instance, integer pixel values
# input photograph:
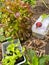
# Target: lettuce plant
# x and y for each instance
(9, 60)
(13, 53)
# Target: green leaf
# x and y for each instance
(43, 59)
(31, 53)
(31, 2)
(11, 47)
(35, 60)
(9, 60)
(9, 39)
(32, 57)
(44, 16)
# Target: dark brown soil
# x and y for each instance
(21, 59)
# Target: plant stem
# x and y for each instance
(45, 4)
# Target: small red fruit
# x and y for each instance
(38, 24)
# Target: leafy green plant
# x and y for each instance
(43, 60)
(31, 2)
(12, 54)
(16, 17)
(9, 60)
(33, 59)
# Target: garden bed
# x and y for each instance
(38, 10)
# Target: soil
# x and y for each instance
(38, 10)
(19, 60)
